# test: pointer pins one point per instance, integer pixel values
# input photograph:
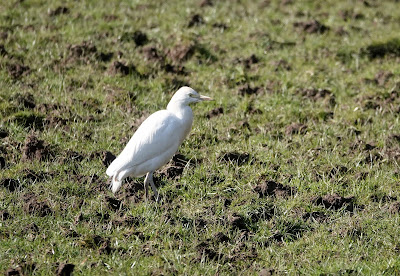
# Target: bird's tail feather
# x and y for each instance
(115, 184)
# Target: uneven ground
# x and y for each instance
(292, 169)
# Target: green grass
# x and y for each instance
(57, 83)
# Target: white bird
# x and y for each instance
(155, 141)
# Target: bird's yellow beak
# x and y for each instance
(205, 98)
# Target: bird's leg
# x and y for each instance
(150, 174)
(146, 185)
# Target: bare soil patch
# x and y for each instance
(195, 20)
(312, 26)
(215, 112)
(58, 11)
(34, 206)
(318, 94)
(272, 188)
(296, 128)
(335, 202)
(35, 149)
(119, 67)
(17, 70)
(246, 89)
(64, 269)
(234, 157)
(151, 53)
(181, 52)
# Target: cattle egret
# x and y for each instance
(155, 141)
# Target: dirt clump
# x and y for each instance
(113, 203)
(248, 62)
(35, 149)
(58, 11)
(314, 93)
(205, 249)
(215, 112)
(369, 146)
(4, 215)
(3, 51)
(174, 69)
(131, 188)
(10, 184)
(335, 202)
(316, 215)
(25, 100)
(296, 128)
(221, 26)
(70, 233)
(64, 269)
(28, 119)
(85, 49)
(246, 89)
(195, 20)
(22, 269)
(3, 133)
(220, 238)
(318, 94)
(102, 244)
(267, 272)
(338, 170)
(312, 26)
(382, 198)
(105, 56)
(151, 53)
(118, 67)
(106, 157)
(181, 52)
(17, 70)
(376, 157)
(234, 157)
(140, 38)
(347, 15)
(34, 206)
(272, 188)
(238, 222)
(2, 162)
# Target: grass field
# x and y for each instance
(293, 169)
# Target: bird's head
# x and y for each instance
(187, 95)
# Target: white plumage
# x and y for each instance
(155, 141)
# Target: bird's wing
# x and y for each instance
(159, 132)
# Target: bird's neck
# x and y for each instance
(183, 112)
